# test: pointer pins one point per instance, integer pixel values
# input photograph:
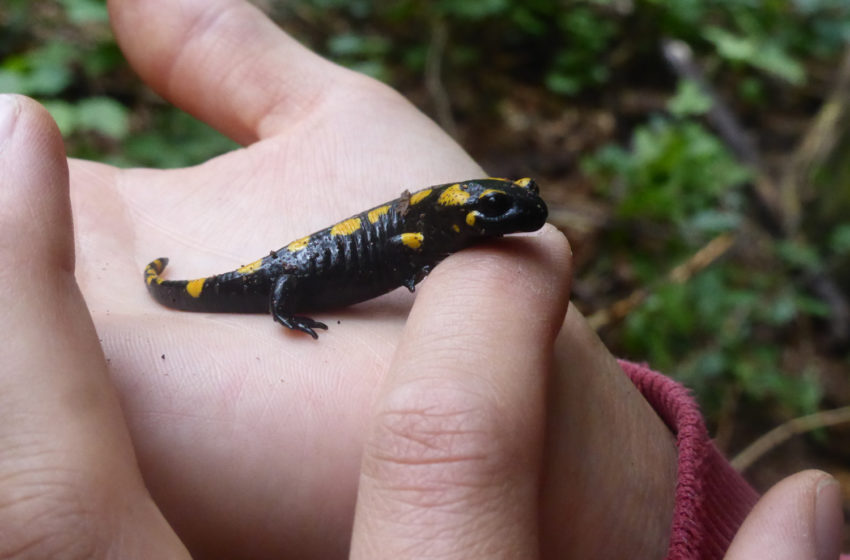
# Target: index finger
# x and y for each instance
(451, 465)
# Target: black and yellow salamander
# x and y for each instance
(395, 244)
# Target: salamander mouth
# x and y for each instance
(523, 217)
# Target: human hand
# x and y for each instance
(255, 448)
(269, 408)
(453, 451)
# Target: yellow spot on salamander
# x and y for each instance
(153, 270)
(194, 287)
(470, 218)
(347, 227)
(456, 228)
(418, 197)
(524, 182)
(375, 214)
(249, 268)
(152, 274)
(298, 244)
(488, 191)
(498, 179)
(412, 240)
(453, 196)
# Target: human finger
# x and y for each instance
(223, 61)
(69, 485)
(451, 463)
(800, 517)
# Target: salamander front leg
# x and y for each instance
(282, 305)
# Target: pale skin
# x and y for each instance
(252, 441)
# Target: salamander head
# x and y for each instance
(493, 207)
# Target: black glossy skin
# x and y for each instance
(372, 253)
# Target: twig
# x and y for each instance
(681, 58)
(709, 253)
(782, 199)
(815, 149)
(785, 431)
(817, 145)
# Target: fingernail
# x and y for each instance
(9, 108)
(829, 519)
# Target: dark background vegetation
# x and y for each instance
(696, 152)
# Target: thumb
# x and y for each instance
(800, 517)
(69, 485)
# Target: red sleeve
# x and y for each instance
(712, 499)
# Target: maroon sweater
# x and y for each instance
(712, 499)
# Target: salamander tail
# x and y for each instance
(154, 269)
(172, 293)
(238, 291)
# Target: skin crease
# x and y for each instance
(254, 450)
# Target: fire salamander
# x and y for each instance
(395, 244)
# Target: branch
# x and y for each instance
(700, 260)
(681, 58)
(784, 432)
(817, 144)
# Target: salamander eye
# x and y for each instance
(494, 204)
(528, 183)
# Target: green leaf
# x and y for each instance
(350, 44)
(763, 53)
(175, 139)
(85, 11)
(473, 10)
(63, 113)
(799, 254)
(42, 71)
(12, 81)
(673, 170)
(564, 84)
(715, 221)
(689, 100)
(103, 115)
(839, 241)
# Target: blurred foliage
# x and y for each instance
(571, 46)
(655, 179)
(63, 54)
(724, 327)
(670, 183)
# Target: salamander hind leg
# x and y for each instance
(282, 305)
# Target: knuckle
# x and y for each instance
(436, 444)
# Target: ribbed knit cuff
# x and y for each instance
(712, 499)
